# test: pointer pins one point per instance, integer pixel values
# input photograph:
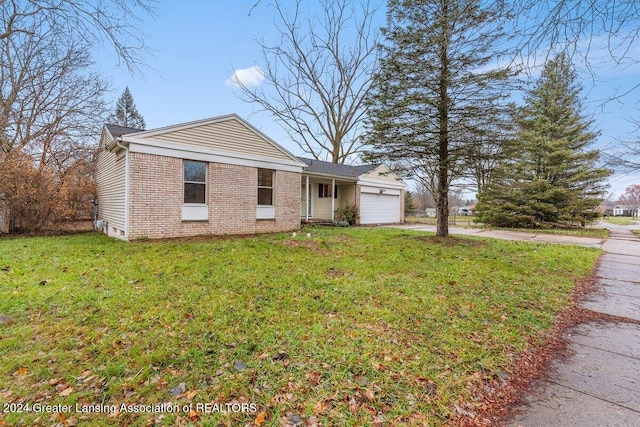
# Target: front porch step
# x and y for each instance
(316, 221)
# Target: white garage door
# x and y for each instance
(378, 208)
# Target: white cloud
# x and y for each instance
(252, 76)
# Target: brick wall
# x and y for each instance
(155, 201)
(287, 203)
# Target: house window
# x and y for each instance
(195, 182)
(324, 191)
(265, 187)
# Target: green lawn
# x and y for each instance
(620, 220)
(348, 327)
(599, 233)
(454, 220)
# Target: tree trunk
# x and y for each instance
(442, 199)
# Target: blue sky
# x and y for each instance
(197, 45)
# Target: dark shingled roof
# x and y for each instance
(328, 168)
(117, 130)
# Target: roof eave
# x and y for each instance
(332, 176)
(116, 142)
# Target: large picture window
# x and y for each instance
(195, 182)
(265, 187)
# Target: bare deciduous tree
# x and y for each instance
(625, 154)
(574, 27)
(317, 76)
(52, 103)
(47, 95)
(423, 196)
(89, 21)
(489, 142)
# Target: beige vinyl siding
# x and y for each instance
(321, 208)
(110, 186)
(346, 195)
(228, 135)
(381, 175)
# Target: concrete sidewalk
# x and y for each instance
(599, 384)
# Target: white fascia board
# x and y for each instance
(329, 176)
(182, 151)
(380, 190)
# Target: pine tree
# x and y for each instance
(435, 87)
(551, 178)
(126, 112)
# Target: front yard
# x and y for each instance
(346, 327)
(621, 220)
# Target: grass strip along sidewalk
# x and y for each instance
(346, 327)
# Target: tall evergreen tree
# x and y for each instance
(126, 112)
(551, 177)
(435, 86)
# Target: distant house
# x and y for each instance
(430, 212)
(223, 176)
(606, 208)
(623, 210)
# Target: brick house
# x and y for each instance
(213, 176)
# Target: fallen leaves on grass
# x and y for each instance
(193, 415)
(260, 418)
(66, 392)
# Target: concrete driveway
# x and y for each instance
(590, 242)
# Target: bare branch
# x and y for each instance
(591, 32)
(90, 22)
(317, 76)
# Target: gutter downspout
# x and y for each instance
(126, 186)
